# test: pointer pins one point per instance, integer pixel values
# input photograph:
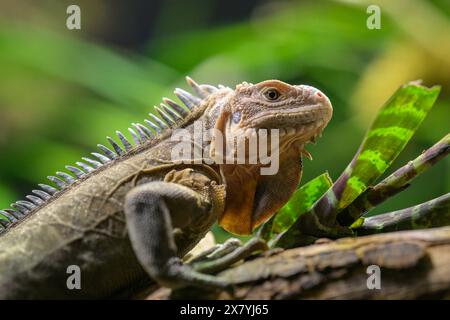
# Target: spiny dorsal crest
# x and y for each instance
(170, 114)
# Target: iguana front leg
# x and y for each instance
(153, 210)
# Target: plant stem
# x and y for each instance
(433, 213)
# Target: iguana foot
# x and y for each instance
(226, 255)
(217, 251)
(178, 275)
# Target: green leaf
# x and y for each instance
(303, 199)
(395, 124)
(299, 203)
(358, 223)
(396, 182)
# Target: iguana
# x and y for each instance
(134, 212)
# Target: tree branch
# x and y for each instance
(433, 213)
(414, 264)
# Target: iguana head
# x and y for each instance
(299, 112)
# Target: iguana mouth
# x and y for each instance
(289, 137)
(299, 136)
(305, 132)
(295, 116)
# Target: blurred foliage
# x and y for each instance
(62, 92)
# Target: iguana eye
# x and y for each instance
(271, 94)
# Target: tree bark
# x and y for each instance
(413, 264)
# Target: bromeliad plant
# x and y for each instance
(321, 208)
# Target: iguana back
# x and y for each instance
(81, 222)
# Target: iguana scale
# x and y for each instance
(135, 212)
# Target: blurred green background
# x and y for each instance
(62, 91)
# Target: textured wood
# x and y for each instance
(414, 264)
